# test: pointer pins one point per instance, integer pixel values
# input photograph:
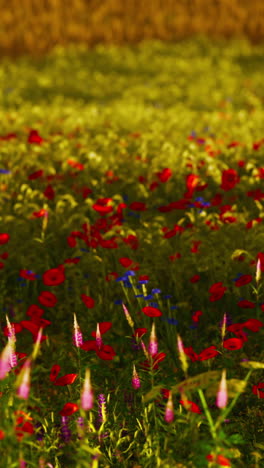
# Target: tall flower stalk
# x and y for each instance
(87, 393)
(77, 334)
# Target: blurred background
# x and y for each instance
(36, 26)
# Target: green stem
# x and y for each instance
(207, 414)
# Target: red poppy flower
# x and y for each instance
(2, 434)
(34, 137)
(233, 343)
(256, 390)
(89, 345)
(191, 353)
(103, 327)
(68, 409)
(217, 199)
(67, 379)
(244, 279)
(88, 301)
(102, 209)
(174, 256)
(195, 278)
(53, 277)
(245, 304)
(40, 213)
(30, 326)
(34, 311)
(253, 324)
(195, 246)
(35, 175)
(111, 276)
(125, 261)
(55, 370)
(165, 393)
(86, 191)
(153, 186)
(151, 311)
(47, 299)
(191, 183)
(71, 241)
(27, 275)
(242, 335)
(4, 255)
(219, 459)
(137, 206)
(8, 137)
(208, 353)
(105, 352)
(143, 278)
(230, 179)
(235, 327)
(170, 233)
(17, 327)
(72, 260)
(164, 175)
(179, 204)
(75, 164)
(49, 192)
(217, 291)
(261, 171)
(250, 224)
(41, 323)
(23, 425)
(191, 406)
(4, 238)
(196, 315)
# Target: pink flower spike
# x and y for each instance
(169, 410)
(258, 271)
(223, 327)
(37, 343)
(135, 379)
(11, 341)
(98, 337)
(5, 360)
(77, 334)
(87, 393)
(144, 349)
(153, 342)
(222, 397)
(182, 355)
(24, 381)
(128, 316)
(11, 329)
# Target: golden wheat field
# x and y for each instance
(35, 26)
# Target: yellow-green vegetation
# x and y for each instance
(131, 257)
(35, 26)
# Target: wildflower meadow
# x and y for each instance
(132, 256)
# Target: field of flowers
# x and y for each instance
(132, 257)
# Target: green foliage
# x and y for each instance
(111, 121)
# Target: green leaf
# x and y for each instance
(252, 364)
(234, 386)
(199, 381)
(152, 394)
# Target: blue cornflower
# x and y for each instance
(118, 301)
(5, 171)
